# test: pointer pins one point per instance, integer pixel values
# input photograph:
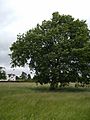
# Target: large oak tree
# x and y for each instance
(58, 50)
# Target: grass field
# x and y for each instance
(26, 101)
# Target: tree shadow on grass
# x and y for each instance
(40, 89)
(72, 89)
(64, 89)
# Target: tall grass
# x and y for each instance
(26, 101)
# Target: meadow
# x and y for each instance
(26, 101)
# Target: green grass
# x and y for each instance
(26, 101)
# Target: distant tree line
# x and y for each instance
(23, 77)
(2, 73)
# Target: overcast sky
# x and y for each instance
(18, 16)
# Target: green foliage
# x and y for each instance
(2, 73)
(29, 77)
(58, 50)
(23, 76)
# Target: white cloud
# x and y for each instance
(30, 12)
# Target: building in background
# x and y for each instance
(11, 77)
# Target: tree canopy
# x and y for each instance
(58, 50)
(23, 76)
